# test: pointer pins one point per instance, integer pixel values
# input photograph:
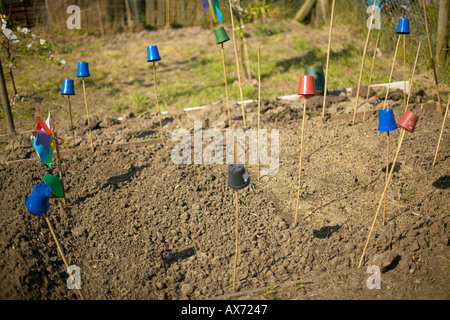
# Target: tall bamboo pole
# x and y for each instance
(226, 84)
(387, 175)
(412, 76)
(328, 59)
(61, 172)
(259, 107)
(362, 65)
(87, 114)
(237, 66)
(402, 135)
(404, 70)
(157, 102)
(300, 160)
(371, 73)
(392, 71)
(440, 136)
(237, 240)
(71, 121)
(60, 251)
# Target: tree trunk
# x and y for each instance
(130, 21)
(442, 36)
(304, 10)
(167, 7)
(5, 102)
(49, 24)
(100, 18)
(13, 83)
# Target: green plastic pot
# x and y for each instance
(221, 35)
(319, 77)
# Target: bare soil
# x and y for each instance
(141, 227)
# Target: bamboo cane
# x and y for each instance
(362, 65)
(61, 253)
(237, 240)
(328, 59)
(392, 71)
(402, 135)
(404, 70)
(157, 103)
(371, 73)
(61, 175)
(226, 85)
(412, 76)
(301, 157)
(259, 107)
(87, 114)
(237, 66)
(387, 174)
(440, 136)
(71, 122)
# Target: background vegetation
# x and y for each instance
(191, 75)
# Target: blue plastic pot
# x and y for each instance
(83, 69)
(386, 121)
(38, 202)
(152, 54)
(403, 26)
(68, 87)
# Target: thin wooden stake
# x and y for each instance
(412, 76)
(237, 66)
(87, 113)
(157, 102)
(71, 122)
(328, 59)
(61, 175)
(392, 71)
(237, 240)
(387, 174)
(259, 107)
(61, 253)
(433, 65)
(362, 65)
(404, 70)
(402, 135)
(300, 161)
(226, 85)
(371, 73)
(440, 136)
